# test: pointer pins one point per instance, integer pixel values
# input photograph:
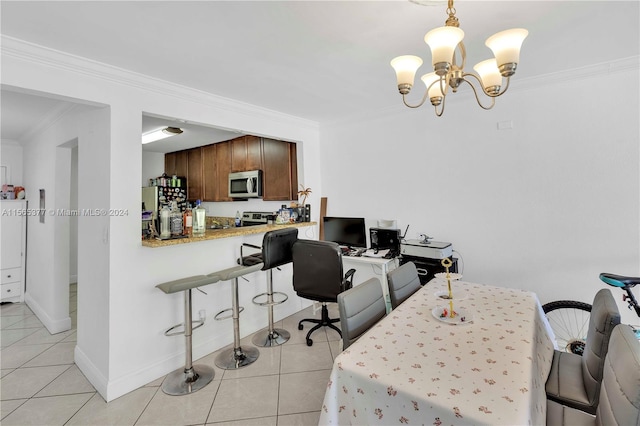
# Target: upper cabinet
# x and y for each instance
(246, 154)
(217, 178)
(280, 171)
(207, 168)
(194, 175)
(175, 163)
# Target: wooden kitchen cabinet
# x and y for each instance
(216, 165)
(246, 154)
(194, 174)
(176, 163)
(223, 162)
(209, 173)
(280, 170)
(207, 168)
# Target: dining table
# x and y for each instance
(486, 365)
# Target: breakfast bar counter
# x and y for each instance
(214, 234)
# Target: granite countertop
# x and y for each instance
(214, 234)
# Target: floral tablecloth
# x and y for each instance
(413, 368)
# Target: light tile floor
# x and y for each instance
(41, 385)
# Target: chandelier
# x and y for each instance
(444, 42)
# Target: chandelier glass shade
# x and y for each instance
(445, 44)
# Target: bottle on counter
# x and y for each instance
(187, 219)
(165, 219)
(176, 219)
(199, 220)
(238, 218)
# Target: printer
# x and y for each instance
(428, 249)
(427, 256)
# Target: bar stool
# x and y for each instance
(235, 357)
(276, 251)
(192, 377)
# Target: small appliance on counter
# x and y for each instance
(256, 218)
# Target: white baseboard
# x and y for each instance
(54, 326)
(91, 372)
(112, 389)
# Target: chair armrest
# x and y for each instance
(347, 282)
(251, 245)
(251, 259)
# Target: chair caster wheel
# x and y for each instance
(300, 326)
(309, 342)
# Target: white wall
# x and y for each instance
(11, 157)
(545, 206)
(152, 166)
(121, 315)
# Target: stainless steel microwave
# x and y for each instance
(245, 184)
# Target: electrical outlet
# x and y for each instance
(202, 314)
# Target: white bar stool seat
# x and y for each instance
(236, 357)
(192, 377)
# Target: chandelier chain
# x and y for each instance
(452, 21)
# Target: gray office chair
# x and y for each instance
(619, 391)
(317, 275)
(574, 380)
(403, 282)
(361, 307)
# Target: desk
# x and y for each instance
(412, 368)
(366, 268)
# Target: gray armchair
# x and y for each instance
(619, 390)
(403, 282)
(361, 307)
(574, 380)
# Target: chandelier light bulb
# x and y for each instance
(489, 75)
(406, 67)
(435, 89)
(506, 48)
(443, 42)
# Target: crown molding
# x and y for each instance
(34, 53)
(621, 65)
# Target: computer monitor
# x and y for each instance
(346, 231)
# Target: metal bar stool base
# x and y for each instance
(184, 382)
(234, 358)
(267, 339)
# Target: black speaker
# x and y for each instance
(383, 238)
(307, 213)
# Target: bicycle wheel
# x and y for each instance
(569, 321)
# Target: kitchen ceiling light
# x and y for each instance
(156, 135)
(444, 42)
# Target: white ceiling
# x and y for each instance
(322, 60)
